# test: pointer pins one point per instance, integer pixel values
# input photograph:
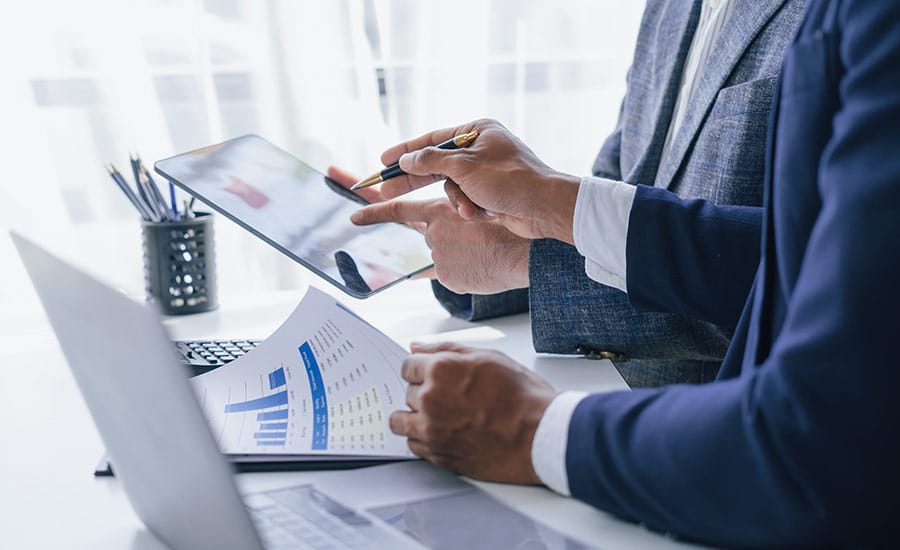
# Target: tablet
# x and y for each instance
(300, 212)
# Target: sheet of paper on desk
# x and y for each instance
(324, 383)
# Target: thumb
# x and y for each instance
(427, 161)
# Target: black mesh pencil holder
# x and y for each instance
(179, 264)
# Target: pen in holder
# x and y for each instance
(179, 264)
(179, 256)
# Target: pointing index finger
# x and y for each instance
(392, 211)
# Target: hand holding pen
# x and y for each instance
(497, 177)
(394, 170)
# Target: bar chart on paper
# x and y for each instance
(271, 411)
(330, 393)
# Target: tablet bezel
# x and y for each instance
(340, 189)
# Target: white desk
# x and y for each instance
(49, 499)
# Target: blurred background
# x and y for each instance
(332, 81)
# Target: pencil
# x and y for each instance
(143, 191)
(164, 206)
(129, 194)
(172, 199)
(156, 195)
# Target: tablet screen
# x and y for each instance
(300, 212)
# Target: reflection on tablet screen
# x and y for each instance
(293, 207)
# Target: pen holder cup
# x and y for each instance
(179, 265)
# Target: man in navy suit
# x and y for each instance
(796, 442)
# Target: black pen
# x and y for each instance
(394, 170)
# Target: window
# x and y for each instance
(334, 82)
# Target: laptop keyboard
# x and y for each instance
(302, 517)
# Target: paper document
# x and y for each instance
(324, 383)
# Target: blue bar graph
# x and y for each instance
(274, 433)
(274, 400)
(270, 443)
(276, 379)
(319, 402)
(274, 426)
(273, 415)
(270, 435)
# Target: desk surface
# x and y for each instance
(49, 499)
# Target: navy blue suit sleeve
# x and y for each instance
(691, 257)
(801, 449)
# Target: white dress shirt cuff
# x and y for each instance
(548, 450)
(600, 228)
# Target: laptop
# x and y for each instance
(155, 432)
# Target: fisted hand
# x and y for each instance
(472, 411)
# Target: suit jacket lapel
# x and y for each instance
(673, 41)
(745, 22)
